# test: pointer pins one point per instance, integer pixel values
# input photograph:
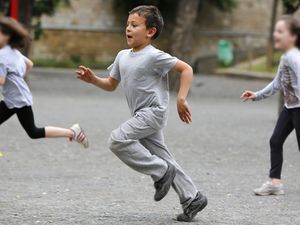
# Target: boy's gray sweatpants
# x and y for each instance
(142, 148)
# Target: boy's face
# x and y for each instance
(137, 34)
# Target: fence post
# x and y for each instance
(14, 9)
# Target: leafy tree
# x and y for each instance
(291, 6)
(126, 6)
(29, 9)
(186, 12)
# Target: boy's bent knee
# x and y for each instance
(114, 141)
(117, 141)
(112, 144)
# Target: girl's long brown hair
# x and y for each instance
(15, 41)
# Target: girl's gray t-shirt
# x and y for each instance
(286, 79)
(13, 67)
(144, 79)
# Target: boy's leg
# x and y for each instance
(182, 183)
(5, 113)
(282, 129)
(124, 142)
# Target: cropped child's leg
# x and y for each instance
(182, 183)
(26, 118)
(54, 132)
(124, 143)
(5, 113)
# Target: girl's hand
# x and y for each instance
(184, 111)
(86, 74)
(248, 95)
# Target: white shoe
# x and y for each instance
(79, 135)
(269, 188)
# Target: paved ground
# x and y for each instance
(225, 150)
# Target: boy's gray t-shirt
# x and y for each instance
(144, 79)
(13, 67)
(287, 79)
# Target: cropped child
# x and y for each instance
(143, 74)
(17, 97)
(286, 38)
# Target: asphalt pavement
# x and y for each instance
(225, 150)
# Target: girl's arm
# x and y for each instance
(29, 65)
(295, 67)
(266, 92)
(87, 75)
(2, 80)
(186, 77)
(2, 73)
(270, 89)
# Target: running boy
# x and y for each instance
(286, 38)
(17, 97)
(139, 142)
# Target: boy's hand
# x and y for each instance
(184, 111)
(248, 95)
(86, 74)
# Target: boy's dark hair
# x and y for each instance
(153, 17)
(293, 25)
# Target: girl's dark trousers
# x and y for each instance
(289, 119)
(26, 118)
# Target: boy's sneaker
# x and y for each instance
(269, 188)
(163, 185)
(197, 205)
(79, 135)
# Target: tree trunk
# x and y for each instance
(281, 102)
(270, 47)
(25, 16)
(270, 50)
(182, 37)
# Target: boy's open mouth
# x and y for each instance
(276, 40)
(129, 36)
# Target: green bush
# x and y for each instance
(73, 62)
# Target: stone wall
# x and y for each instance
(100, 46)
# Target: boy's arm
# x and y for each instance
(186, 77)
(87, 75)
